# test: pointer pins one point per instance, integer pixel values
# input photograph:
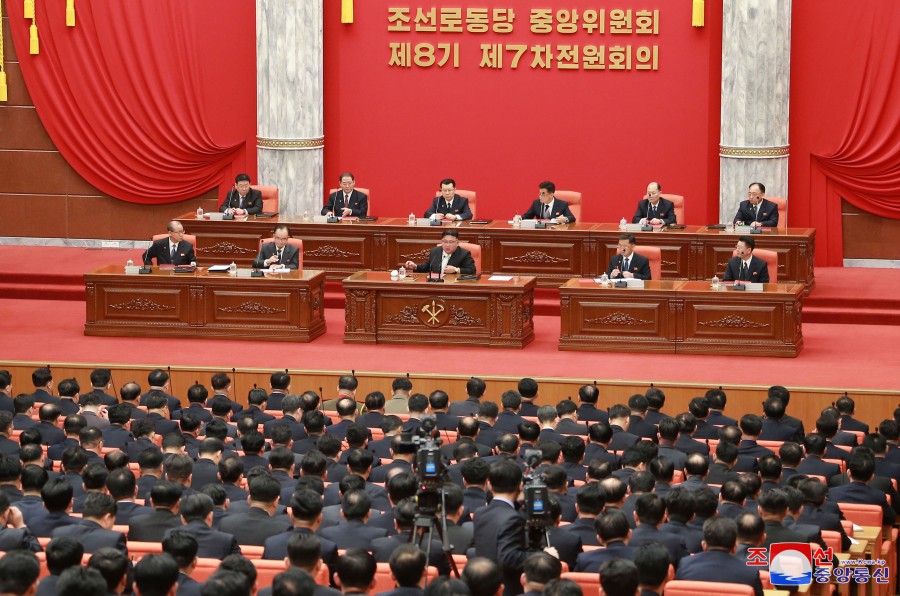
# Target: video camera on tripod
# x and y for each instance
(537, 503)
(430, 469)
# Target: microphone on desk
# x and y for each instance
(431, 277)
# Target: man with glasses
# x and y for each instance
(449, 257)
(242, 200)
(347, 201)
(278, 254)
(547, 206)
(449, 205)
(173, 250)
(756, 211)
(654, 210)
(745, 267)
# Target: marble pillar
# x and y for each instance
(289, 112)
(756, 61)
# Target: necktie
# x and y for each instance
(545, 211)
(346, 201)
(744, 271)
(445, 258)
(625, 266)
(240, 202)
(172, 254)
(449, 204)
(279, 254)
(755, 212)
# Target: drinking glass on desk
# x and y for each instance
(729, 227)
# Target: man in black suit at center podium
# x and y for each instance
(654, 210)
(241, 199)
(279, 252)
(547, 206)
(449, 257)
(347, 201)
(174, 250)
(745, 266)
(626, 263)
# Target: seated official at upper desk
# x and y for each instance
(279, 253)
(547, 206)
(756, 211)
(654, 210)
(449, 205)
(173, 250)
(745, 266)
(241, 199)
(449, 257)
(627, 264)
(347, 201)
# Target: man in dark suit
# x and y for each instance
(547, 206)
(404, 518)
(773, 507)
(173, 250)
(773, 428)
(567, 544)
(42, 379)
(449, 257)
(353, 532)
(861, 489)
(278, 254)
(304, 511)
(122, 487)
(716, 563)
(756, 211)
(449, 205)
(627, 264)
(241, 199)
(680, 511)
(619, 417)
(14, 534)
(637, 425)
(589, 502)
(745, 267)
(51, 434)
(614, 532)
(197, 513)
(57, 497)
(347, 201)
(260, 521)
(508, 419)
(599, 436)
(751, 426)
(653, 209)
(588, 396)
(182, 547)
(814, 514)
(165, 498)
(100, 383)
(116, 435)
(716, 400)
(846, 407)
(568, 423)
(95, 530)
(814, 445)
(475, 388)
(722, 469)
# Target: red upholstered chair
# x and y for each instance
(678, 201)
(365, 191)
(782, 211)
(469, 194)
(266, 570)
(293, 242)
(589, 582)
(654, 255)
(270, 198)
(771, 259)
(573, 198)
(692, 588)
(475, 249)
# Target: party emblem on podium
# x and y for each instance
(433, 312)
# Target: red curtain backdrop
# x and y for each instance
(151, 102)
(501, 132)
(845, 115)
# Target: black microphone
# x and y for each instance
(431, 278)
(228, 196)
(621, 264)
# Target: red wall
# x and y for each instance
(606, 134)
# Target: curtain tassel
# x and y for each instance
(3, 89)
(35, 45)
(29, 9)
(70, 13)
(697, 18)
(3, 95)
(346, 11)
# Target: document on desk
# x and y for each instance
(500, 278)
(218, 268)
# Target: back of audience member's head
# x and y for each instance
(63, 552)
(99, 505)
(304, 551)
(447, 586)
(751, 484)
(641, 482)
(720, 533)
(242, 566)
(540, 568)
(861, 465)
(195, 507)
(182, 546)
(619, 577)
(773, 501)
(652, 562)
(750, 528)
(19, 570)
(112, 565)
(407, 564)
(293, 582)
(77, 581)
(561, 587)
(225, 582)
(155, 575)
(57, 495)
(696, 465)
(650, 509)
(356, 570)
(483, 576)
(612, 525)
(505, 476)
(590, 499)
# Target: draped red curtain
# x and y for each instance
(861, 163)
(149, 101)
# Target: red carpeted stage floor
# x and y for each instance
(43, 313)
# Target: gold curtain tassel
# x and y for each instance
(697, 17)
(35, 46)
(29, 9)
(70, 13)
(347, 11)
(3, 95)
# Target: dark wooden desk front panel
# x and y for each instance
(413, 311)
(681, 317)
(550, 255)
(283, 307)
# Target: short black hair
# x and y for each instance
(720, 532)
(293, 581)
(356, 568)
(182, 546)
(407, 564)
(112, 564)
(63, 552)
(155, 575)
(76, 581)
(483, 576)
(619, 577)
(97, 505)
(652, 561)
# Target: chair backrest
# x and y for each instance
(782, 211)
(573, 198)
(293, 242)
(678, 201)
(270, 198)
(863, 515)
(475, 249)
(384, 581)
(692, 588)
(771, 259)
(266, 570)
(589, 582)
(365, 191)
(654, 255)
(468, 194)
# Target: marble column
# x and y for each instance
(290, 134)
(756, 61)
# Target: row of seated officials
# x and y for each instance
(145, 472)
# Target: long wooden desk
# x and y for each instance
(412, 311)
(551, 255)
(685, 317)
(280, 307)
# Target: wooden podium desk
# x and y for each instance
(497, 314)
(684, 317)
(280, 307)
(552, 255)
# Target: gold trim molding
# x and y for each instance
(290, 144)
(754, 152)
